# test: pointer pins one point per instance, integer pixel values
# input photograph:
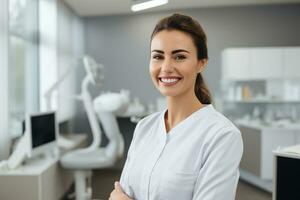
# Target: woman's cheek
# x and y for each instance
(153, 73)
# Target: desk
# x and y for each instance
(286, 176)
(41, 179)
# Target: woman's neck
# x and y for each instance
(180, 108)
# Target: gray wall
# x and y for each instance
(121, 43)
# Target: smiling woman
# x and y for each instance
(188, 151)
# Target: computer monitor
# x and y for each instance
(41, 132)
(23, 127)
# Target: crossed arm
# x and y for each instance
(118, 194)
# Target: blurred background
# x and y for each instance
(253, 73)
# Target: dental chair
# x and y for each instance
(83, 161)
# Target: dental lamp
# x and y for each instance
(61, 141)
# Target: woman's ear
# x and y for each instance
(201, 64)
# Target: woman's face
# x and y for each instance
(174, 64)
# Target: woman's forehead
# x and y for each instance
(172, 39)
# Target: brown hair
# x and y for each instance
(190, 26)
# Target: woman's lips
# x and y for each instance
(169, 81)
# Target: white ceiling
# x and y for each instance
(115, 7)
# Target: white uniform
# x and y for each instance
(197, 160)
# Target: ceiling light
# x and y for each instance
(138, 5)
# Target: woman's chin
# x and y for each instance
(169, 93)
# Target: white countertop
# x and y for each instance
(259, 125)
(38, 165)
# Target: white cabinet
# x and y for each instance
(291, 62)
(256, 166)
(278, 67)
(236, 63)
(259, 63)
(259, 145)
(265, 63)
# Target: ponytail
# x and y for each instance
(201, 90)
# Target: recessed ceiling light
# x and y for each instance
(142, 5)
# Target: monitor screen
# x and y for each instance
(43, 129)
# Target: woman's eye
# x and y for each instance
(180, 57)
(157, 57)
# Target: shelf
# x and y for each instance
(262, 101)
(260, 126)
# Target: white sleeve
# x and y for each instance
(219, 174)
(124, 175)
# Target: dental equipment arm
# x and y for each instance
(61, 141)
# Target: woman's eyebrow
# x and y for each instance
(173, 52)
(179, 50)
(157, 51)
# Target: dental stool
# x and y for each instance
(83, 161)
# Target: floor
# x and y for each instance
(106, 178)
(246, 191)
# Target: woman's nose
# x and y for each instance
(167, 65)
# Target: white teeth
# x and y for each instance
(169, 80)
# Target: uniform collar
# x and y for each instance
(199, 113)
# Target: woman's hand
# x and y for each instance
(118, 194)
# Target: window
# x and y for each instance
(23, 61)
